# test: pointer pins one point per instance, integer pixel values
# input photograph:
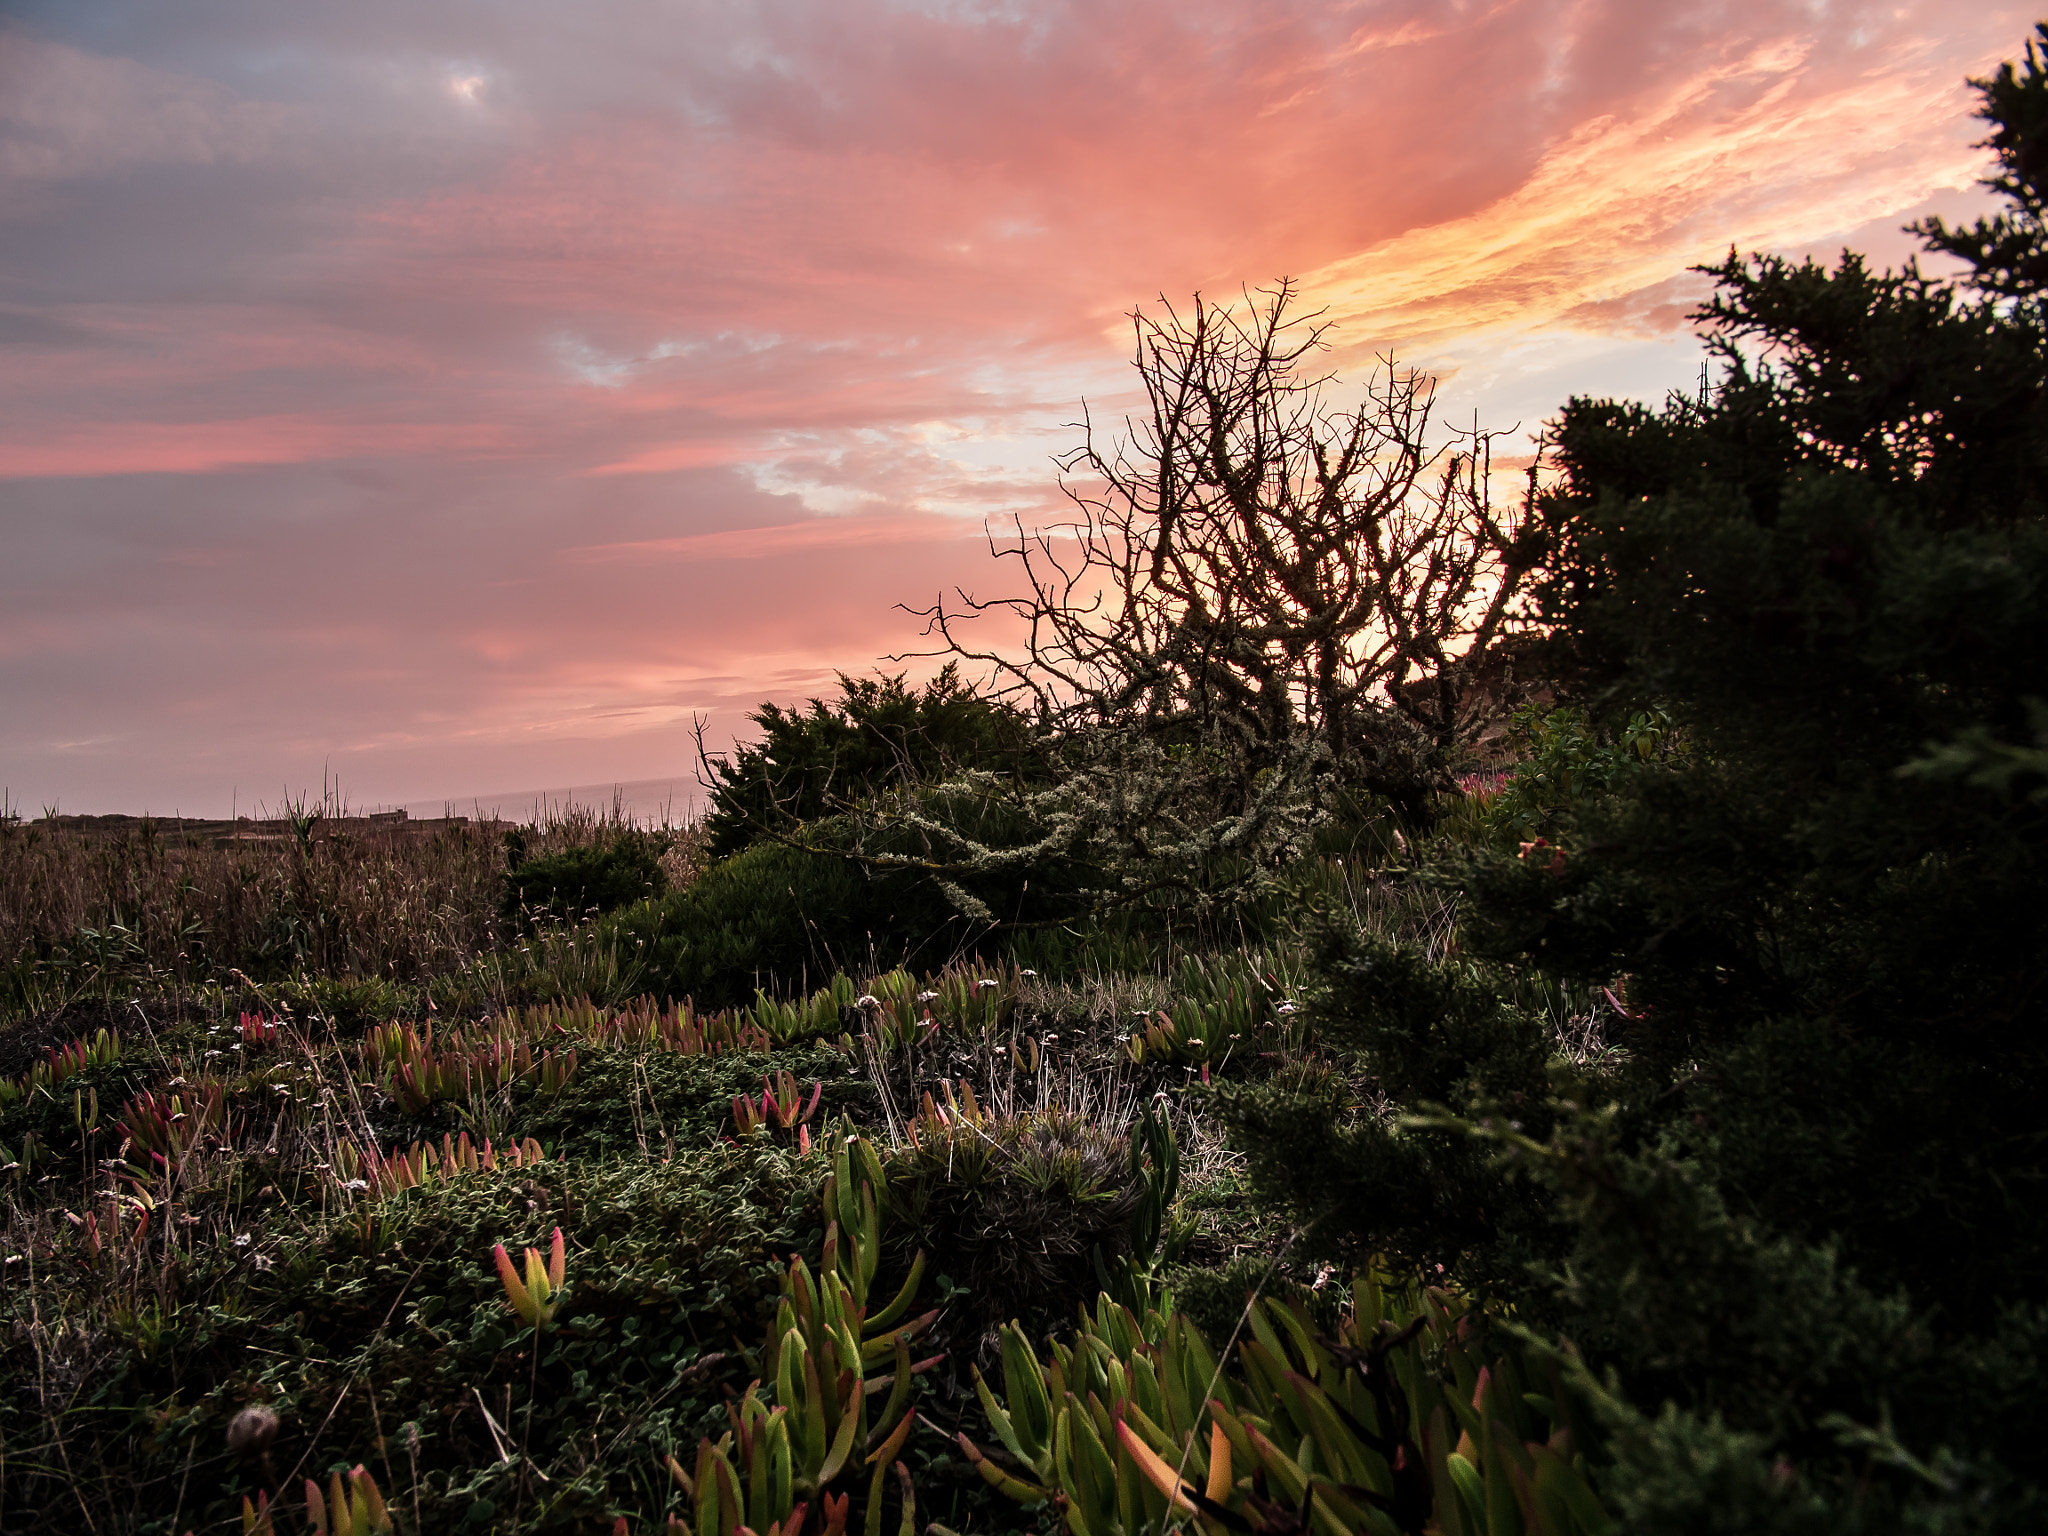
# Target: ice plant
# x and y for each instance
(256, 1517)
(1179, 1495)
(166, 1124)
(535, 1299)
(805, 1436)
(380, 1174)
(747, 1116)
(782, 1100)
(59, 1064)
(256, 1031)
(782, 1105)
(352, 1508)
(1408, 1419)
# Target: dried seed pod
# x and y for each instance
(251, 1431)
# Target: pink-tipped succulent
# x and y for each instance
(351, 1508)
(536, 1298)
(782, 1101)
(257, 1032)
(782, 1105)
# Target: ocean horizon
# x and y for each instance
(646, 802)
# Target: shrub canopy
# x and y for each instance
(1802, 1192)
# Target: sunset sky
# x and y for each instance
(449, 397)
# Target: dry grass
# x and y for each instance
(87, 904)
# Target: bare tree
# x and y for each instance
(1257, 570)
(1268, 600)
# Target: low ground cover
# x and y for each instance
(219, 1201)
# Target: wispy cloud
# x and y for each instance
(471, 394)
(67, 114)
(1767, 149)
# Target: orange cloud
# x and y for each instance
(472, 399)
(1764, 150)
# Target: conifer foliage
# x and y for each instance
(879, 735)
(1799, 1198)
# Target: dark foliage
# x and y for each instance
(621, 1105)
(385, 1331)
(1802, 1201)
(582, 882)
(772, 916)
(2008, 253)
(878, 736)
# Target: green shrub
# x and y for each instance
(1566, 761)
(1796, 1196)
(858, 897)
(781, 918)
(878, 737)
(579, 883)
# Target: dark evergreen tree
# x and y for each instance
(1802, 1201)
(878, 735)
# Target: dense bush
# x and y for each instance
(890, 887)
(1563, 759)
(1023, 1213)
(582, 882)
(1797, 1197)
(878, 736)
(772, 916)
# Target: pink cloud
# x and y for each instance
(474, 397)
(67, 113)
(775, 542)
(1765, 147)
(194, 448)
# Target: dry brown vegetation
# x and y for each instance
(88, 902)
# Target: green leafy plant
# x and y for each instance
(774, 913)
(799, 1017)
(1157, 1235)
